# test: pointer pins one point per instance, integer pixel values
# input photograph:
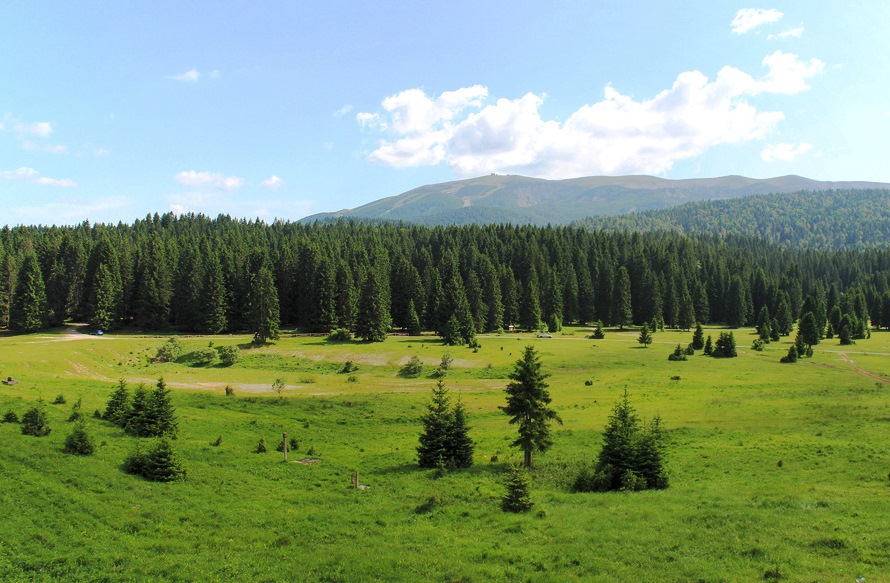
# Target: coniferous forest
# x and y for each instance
(192, 273)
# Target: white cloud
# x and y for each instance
(32, 147)
(202, 180)
(272, 183)
(40, 129)
(342, 111)
(61, 183)
(23, 172)
(190, 76)
(615, 135)
(796, 32)
(748, 19)
(784, 152)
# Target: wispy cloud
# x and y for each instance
(61, 183)
(23, 172)
(342, 111)
(615, 135)
(784, 152)
(190, 76)
(272, 183)
(202, 180)
(747, 19)
(40, 129)
(795, 32)
(32, 147)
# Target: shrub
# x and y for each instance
(677, 354)
(59, 400)
(791, 357)
(136, 462)
(160, 464)
(413, 368)
(352, 379)
(79, 442)
(348, 367)
(170, 350)
(588, 383)
(10, 417)
(261, 446)
(217, 442)
(518, 497)
(757, 345)
(690, 351)
(230, 392)
(340, 335)
(118, 406)
(35, 421)
(444, 365)
(311, 451)
(75, 411)
(725, 346)
(228, 355)
(203, 356)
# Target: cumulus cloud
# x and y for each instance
(272, 183)
(784, 152)
(23, 172)
(61, 183)
(616, 135)
(203, 180)
(190, 76)
(747, 19)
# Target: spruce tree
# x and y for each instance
(79, 442)
(161, 414)
(138, 416)
(413, 321)
(105, 301)
(709, 346)
(213, 302)
(725, 346)
(35, 421)
(527, 405)
(459, 443)
(437, 424)
(645, 337)
(517, 497)
(808, 330)
(162, 464)
(28, 311)
(530, 310)
(373, 320)
(118, 404)
(263, 308)
(622, 309)
(698, 338)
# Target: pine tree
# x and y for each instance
(437, 423)
(138, 416)
(28, 311)
(517, 498)
(373, 320)
(530, 311)
(213, 302)
(106, 300)
(527, 405)
(35, 421)
(79, 442)
(807, 329)
(161, 414)
(622, 309)
(263, 308)
(162, 464)
(118, 404)
(725, 346)
(645, 337)
(709, 346)
(459, 444)
(698, 338)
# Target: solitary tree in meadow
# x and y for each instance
(527, 404)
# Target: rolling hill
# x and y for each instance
(522, 200)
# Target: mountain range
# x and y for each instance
(522, 200)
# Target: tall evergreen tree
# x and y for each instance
(527, 405)
(437, 422)
(263, 308)
(105, 300)
(373, 320)
(698, 338)
(622, 309)
(213, 302)
(460, 444)
(29, 311)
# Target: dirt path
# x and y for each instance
(852, 364)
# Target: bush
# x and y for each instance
(598, 333)
(261, 446)
(340, 335)
(75, 411)
(217, 442)
(352, 379)
(678, 354)
(35, 421)
(59, 400)
(348, 367)
(757, 345)
(230, 392)
(170, 350)
(690, 351)
(79, 442)
(444, 365)
(203, 357)
(517, 498)
(725, 346)
(413, 368)
(292, 444)
(791, 357)
(228, 355)
(136, 462)
(161, 464)
(10, 417)
(588, 383)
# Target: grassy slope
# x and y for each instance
(730, 514)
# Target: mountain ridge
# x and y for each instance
(503, 198)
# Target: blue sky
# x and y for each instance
(112, 110)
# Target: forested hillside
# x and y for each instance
(830, 219)
(193, 273)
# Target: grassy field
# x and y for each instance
(777, 471)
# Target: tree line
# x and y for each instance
(197, 274)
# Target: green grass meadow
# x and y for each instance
(777, 471)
